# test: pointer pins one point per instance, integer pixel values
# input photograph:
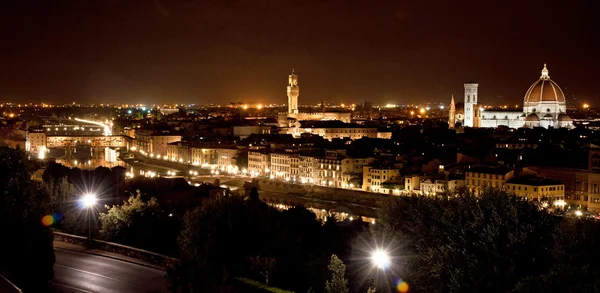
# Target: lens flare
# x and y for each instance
(402, 286)
(47, 220)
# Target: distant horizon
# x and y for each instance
(458, 98)
(205, 52)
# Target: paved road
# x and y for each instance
(76, 272)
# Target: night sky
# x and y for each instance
(214, 51)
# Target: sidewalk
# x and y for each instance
(59, 245)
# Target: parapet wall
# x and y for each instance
(357, 201)
(145, 255)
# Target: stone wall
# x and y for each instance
(342, 200)
(145, 255)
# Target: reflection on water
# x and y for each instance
(322, 214)
(82, 157)
(89, 164)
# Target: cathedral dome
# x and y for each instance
(544, 90)
(532, 118)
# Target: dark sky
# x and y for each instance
(217, 51)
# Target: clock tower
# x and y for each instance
(293, 91)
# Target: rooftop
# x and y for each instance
(498, 170)
(331, 124)
(534, 181)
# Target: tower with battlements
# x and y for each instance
(293, 91)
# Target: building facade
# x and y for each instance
(375, 178)
(479, 178)
(154, 142)
(536, 188)
(259, 163)
(285, 165)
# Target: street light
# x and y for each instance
(380, 258)
(88, 201)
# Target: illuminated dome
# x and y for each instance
(544, 90)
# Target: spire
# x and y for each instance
(293, 71)
(545, 72)
(452, 101)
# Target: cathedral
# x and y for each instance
(544, 105)
(293, 116)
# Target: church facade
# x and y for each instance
(544, 105)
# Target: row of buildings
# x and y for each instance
(336, 168)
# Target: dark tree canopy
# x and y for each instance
(26, 253)
(492, 243)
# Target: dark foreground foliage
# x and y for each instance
(26, 253)
(225, 237)
(492, 243)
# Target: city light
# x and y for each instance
(88, 200)
(585, 106)
(560, 203)
(578, 213)
(42, 153)
(381, 259)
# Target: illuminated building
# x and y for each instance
(375, 178)
(544, 105)
(536, 189)
(259, 162)
(154, 142)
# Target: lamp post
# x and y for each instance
(88, 201)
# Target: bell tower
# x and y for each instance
(452, 114)
(293, 91)
(471, 109)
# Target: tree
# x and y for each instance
(574, 258)
(254, 195)
(141, 224)
(26, 252)
(262, 265)
(464, 243)
(338, 282)
(63, 203)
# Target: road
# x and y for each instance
(76, 272)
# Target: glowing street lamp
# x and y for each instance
(88, 201)
(381, 259)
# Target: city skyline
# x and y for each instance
(204, 53)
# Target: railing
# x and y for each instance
(7, 286)
(145, 255)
